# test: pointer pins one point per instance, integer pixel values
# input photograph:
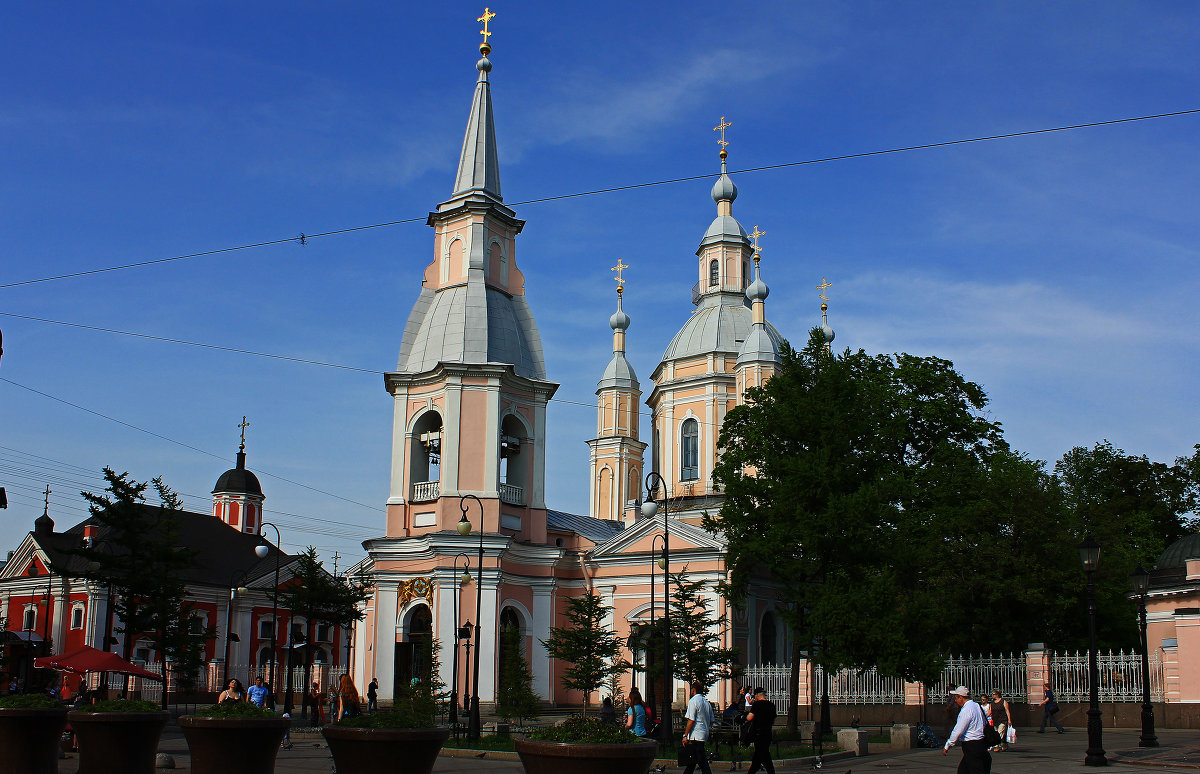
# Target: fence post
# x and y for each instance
(1170, 671)
(1037, 672)
(914, 694)
(804, 691)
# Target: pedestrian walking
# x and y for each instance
(373, 696)
(699, 725)
(318, 708)
(1001, 718)
(762, 719)
(1049, 709)
(968, 731)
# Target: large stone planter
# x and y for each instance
(415, 750)
(233, 745)
(29, 740)
(117, 742)
(578, 758)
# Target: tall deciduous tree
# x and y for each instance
(139, 551)
(840, 476)
(588, 644)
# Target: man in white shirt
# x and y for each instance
(699, 724)
(969, 731)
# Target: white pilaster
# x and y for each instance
(397, 494)
(384, 647)
(543, 617)
(452, 432)
(488, 622)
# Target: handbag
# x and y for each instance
(991, 737)
(687, 756)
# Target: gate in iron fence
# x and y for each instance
(1120, 677)
(775, 679)
(982, 675)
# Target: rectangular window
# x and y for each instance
(30, 622)
(323, 633)
(265, 628)
(77, 618)
(297, 632)
(689, 468)
(142, 654)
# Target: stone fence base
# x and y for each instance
(1071, 715)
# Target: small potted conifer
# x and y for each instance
(117, 736)
(407, 733)
(582, 744)
(234, 738)
(30, 727)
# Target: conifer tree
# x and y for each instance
(516, 698)
(696, 652)
(591, 648)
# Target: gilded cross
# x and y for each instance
(721, 127)
(487, 17)
(825, 285)
(754, 235)
(619, 268)
(244, 425)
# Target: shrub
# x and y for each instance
(234, 709)
(121, 705)
(29, 701)
(586, 730)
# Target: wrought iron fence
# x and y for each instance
(1120, 677)
(853, 686)
(981, 674)
(775, 679)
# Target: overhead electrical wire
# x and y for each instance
(303, 238)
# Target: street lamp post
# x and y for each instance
(1089, 554)
(467, 630)
(662, 563)
(1141, 585)
(649, 509)
(464, 578)
(464, 529)
(261, 551)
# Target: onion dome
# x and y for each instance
(827, 332)
(619, 320)
(43, 525)
(758, 290)
(724, 190)
(239, 480)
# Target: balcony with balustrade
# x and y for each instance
(425, 491)
(513, 495)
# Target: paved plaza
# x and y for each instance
(1180, 751)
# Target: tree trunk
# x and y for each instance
(793, 715)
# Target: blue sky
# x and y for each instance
(1058, 270)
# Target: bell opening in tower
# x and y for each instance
(426, 457)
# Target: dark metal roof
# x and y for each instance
(1177, 554)
(595, 530)
(223, 556)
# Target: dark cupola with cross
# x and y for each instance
(238, 497)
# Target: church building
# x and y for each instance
(468, 460)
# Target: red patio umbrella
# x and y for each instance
(89, 659)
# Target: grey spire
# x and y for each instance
(479, 166)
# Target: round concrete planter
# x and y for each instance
(29, 740)
(384, 749)
(582, 758)
(117, 742)
(233, 745)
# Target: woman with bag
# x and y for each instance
(1049, 710)
(1001, 719)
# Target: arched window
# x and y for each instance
(689, 467)
(426, 457)
(768, 638)
(714, 273)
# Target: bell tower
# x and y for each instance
(616, 452)
(470, 387)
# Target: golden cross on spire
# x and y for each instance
(721, 127)
(825, 285)
(487, 17)
(754, 235)
(619, 268)
(244, 425)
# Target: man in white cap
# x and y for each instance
(969, 731)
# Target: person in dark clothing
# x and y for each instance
(373, 696)
(1049, 709)
(762, 718)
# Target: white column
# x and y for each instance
(486, 644)
(543, 619)
(537, 498)
(444, 627)
(384, 647)
(61, 611)
(451, 440)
